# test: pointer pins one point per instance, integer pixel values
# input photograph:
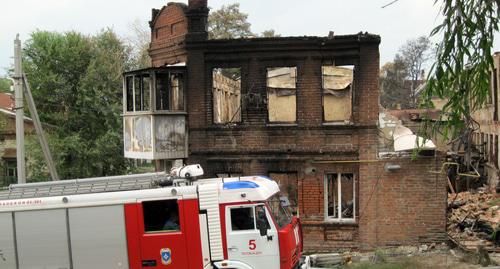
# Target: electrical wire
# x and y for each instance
(393, 2)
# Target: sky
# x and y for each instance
(397, 23)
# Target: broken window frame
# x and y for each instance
(172, 106)
(269, 89)
(351, 94)
(232, 116)
(137, 101)
(138, 98)
(338, 198)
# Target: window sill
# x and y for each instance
(338, 123)
(226, 124)
(136, 113)
(330, 223)
(282, 125)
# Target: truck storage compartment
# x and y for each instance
(42, 239)
(7, 250)
(102, 226)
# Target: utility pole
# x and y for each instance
(39, 130)
(19, 107)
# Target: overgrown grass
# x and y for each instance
(406, 264)
(396, 265)
(382, 261)
(494, 202)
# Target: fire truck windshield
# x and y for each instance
(281, 212)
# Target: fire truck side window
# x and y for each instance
(161, 216)
(260, 212)
(242, 219)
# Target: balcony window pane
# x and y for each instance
(162, 92)
(130, 93)
(177, 89)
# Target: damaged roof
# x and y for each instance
(406, 115)
(310, 40)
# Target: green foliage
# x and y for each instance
(389, 265)
(77, 86)
(228, 22)
(138, 45)
(5, 84)
(269, 33)
(401, 78)
(392, 82)
(464, 60)
(494, 202)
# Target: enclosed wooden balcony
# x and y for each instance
(154, 113)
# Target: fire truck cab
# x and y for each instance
(238, 223)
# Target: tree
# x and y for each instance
(400, 79)
(77, 86)
(463, 63)
(415, 54)
(228, 22)
(5, 84)
(138, 44)
(392, 81)
(269, 33)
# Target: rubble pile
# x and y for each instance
(474, 220)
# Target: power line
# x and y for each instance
(392, 2)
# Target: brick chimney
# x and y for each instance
(195, 4)
(197, 15)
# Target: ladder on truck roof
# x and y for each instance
(82, 186)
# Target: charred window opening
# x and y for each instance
(340, 197)
(337, 93)
(282, 94)
(490, 151)
(495, 94)
(495, 152)
(169, 91)
(161, 216)
(138, 94)
(226, 93)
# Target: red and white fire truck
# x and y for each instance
(149, 221)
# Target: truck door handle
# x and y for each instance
(148, 263)
(233, 248)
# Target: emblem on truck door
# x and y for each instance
(166, 256)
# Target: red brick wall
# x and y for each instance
(394, 208)
(169, 29)
(407, 206)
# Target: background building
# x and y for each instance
(8, 161)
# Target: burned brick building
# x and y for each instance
(485, 137)
(302, 110)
